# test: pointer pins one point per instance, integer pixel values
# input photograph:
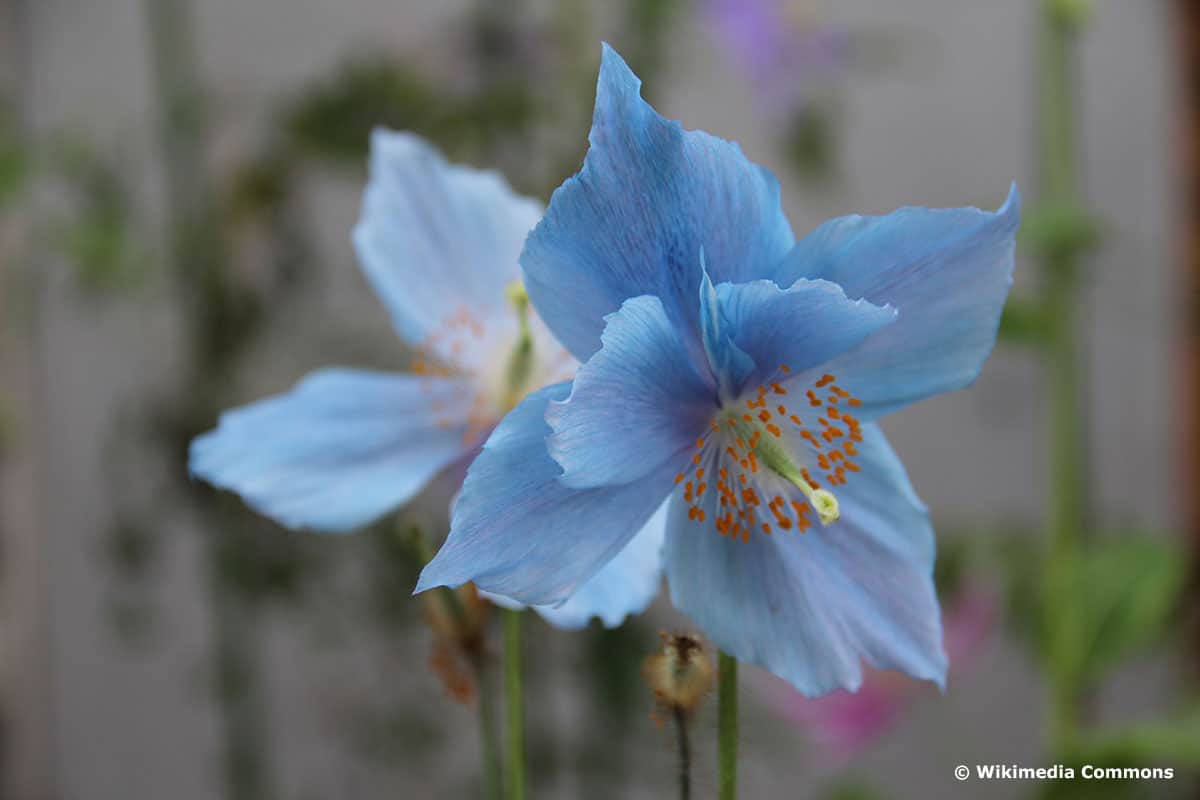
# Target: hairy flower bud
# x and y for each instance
(680, 674)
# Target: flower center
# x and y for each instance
(502, 369)
(764, 449)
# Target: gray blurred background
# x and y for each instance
(109, 617)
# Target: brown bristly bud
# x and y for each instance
(457, 618)
(681, 673)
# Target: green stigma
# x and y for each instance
(519, 371)
(775, 457)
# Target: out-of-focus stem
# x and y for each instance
(685, 753)
(515, 710)
(1059, 191)
(727, 726)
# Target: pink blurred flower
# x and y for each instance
(845, 723)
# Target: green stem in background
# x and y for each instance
(1059, 191)
(685, 753)
(727, 726)
(515, 705)
(489, 745)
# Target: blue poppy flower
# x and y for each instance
(738, 374)
(439, 244)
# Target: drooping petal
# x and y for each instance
(802, 326)
(339, 450)
(518, 532)
(437, 239)
(809, 607)
(625, 586)
(649, 197)
(636, 406)
(946, 271)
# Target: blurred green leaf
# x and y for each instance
(333, 119)
(1023, 323)
(1128, 586)
(1172, 742)
(1054, 231)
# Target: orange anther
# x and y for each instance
(854, 401)
(679, 478)
(778, 389)
(784, 368)
(825, 380)
(764, 415)
(773, 429)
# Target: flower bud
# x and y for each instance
(681, 674)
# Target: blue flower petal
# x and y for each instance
(624, 586)
(341, 449)
(946, 271)
(518, 532)
(636, 406)
(650, 196)
(802, 327)
(436, 238)
(730, 365)
(809, 607)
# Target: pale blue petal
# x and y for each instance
(624, 586)
(339, 450)
(435, 238)
(946, 271)
(518, 532)
(731, 367)
(810, 607)
(636, 407)
(802, 327)
(650, 196)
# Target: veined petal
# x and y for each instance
(625, 586)
(636, 406)
(809, 607)
(437, 239)
(729, 364)
(341, 449)
(518, 532)
(946, 271)
(790, 331)
(649, 197)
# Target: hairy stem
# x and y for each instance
(685, 753)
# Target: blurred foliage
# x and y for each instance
(1129, 584)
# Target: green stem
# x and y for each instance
(1059, 190)
(488, 743)
(685, 754)
(727, 726)
(515, 708)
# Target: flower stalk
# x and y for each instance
(1059, 265)
(514, 693)
(681, 676)
(727, 726)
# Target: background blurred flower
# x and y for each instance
(845, 723)
(439, 243)
(787, 50)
